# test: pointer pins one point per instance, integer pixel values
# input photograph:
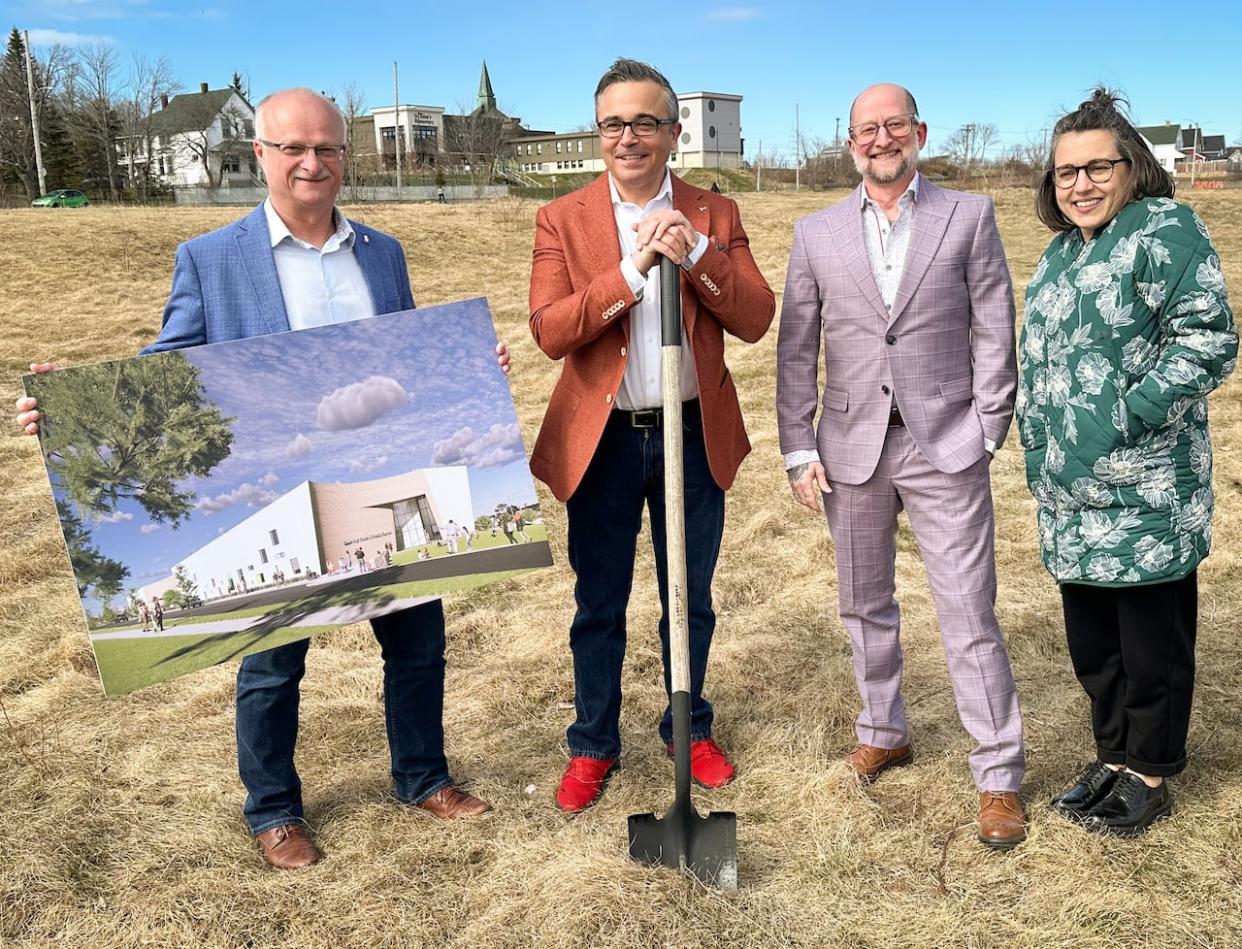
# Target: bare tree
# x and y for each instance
(352, 103)
(149, 81)
(95, 89)
(476, 139)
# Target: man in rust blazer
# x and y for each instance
(906, 286)
(594, 302)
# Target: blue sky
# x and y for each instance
(349, 402)
(1017, 66)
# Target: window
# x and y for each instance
(711, 105)
(262, 555)
(389, 133)
(231, 164)
(528, 148)
(275, 537)
(685, 111)
(294, 565)
(558, 148)
(579, 146)
(539, 148)
(711, 131)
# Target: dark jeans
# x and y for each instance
(605, 514)
(412, 647)
(1133, 650)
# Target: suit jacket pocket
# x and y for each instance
(836, 399)
(957, 390)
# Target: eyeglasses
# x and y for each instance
(644, 126)
(899, 126)
(293, 150)
(1099, 170)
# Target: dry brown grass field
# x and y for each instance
(120, 819)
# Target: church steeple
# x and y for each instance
(487, 98)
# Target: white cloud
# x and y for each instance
(65, 38)
(148, 528)
(115, 517)
(300, 447)
(500, 445)
(733, 14)
(359, 404)
(269, 479)
(249, 494)
(356, 466)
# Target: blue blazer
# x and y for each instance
(225, 284)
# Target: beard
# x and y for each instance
(866, 167)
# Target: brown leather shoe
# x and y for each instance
(869, 762)
(288, 847)
(450, 803)
(1001, 821)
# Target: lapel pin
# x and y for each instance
(366, 238)
(702, 209)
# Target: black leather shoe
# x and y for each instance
(1088, 790)
(1129, 808)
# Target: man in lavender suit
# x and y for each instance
(908, 285)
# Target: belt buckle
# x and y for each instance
(645, 418)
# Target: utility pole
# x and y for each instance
(836, 138)
(34, 116)
(759, 168)
(396, 125)
(797, 151)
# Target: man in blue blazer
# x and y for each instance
(294, 262)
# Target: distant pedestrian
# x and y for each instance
(144, 615)
(440, 196)
(158, 609)
(519, 525)
(715, 188)
(507, 526)
(361, 557)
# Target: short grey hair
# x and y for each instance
(266, 100)
(631, 70)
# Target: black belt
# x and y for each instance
(894, 417)
(647, 418)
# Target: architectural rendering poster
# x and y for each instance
(221, 500)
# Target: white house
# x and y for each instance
(200, 139)
(1165, 142)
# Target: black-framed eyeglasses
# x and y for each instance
(899, 126)
(644, 126)
(1099, 170)
(295, 150)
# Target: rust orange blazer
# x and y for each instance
(579, 306)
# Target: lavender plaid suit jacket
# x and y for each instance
(946, 350)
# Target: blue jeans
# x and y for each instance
(605, 514)
(412, 647)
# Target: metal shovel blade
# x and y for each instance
(683, 839)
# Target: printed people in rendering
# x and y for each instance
(905, 284)
(594, 303)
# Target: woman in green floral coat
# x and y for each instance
(1127, 330)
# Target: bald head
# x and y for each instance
(295, 103)
(882, 93)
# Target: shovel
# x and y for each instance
(682, 839)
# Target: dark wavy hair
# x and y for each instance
(1103, 112)
(632, 70)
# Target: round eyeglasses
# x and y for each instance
(1099, 170)
(899, 126)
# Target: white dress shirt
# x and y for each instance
(642, 384)
(319, 286)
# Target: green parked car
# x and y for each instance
(61, 198)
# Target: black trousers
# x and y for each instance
(1133, 650)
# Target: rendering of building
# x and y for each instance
(318, 527)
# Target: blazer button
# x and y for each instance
(885, 389)
(608, 398)
(605, 314)
(890, 339)
(623, 351)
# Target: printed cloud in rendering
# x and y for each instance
(359, 404)
(499, 445)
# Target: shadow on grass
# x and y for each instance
(246, 640)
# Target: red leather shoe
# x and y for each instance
(708, 765)
(583, 783)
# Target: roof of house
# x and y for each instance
(191, 111)
(1213, 143)
(1160, 134)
